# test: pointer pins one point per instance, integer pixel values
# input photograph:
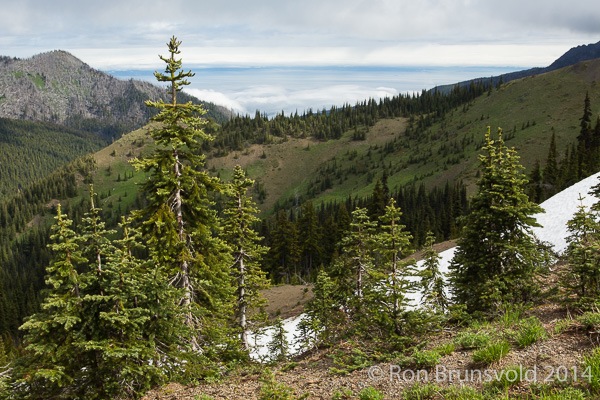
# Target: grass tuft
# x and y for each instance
(491, 353)
(530, 331)
(472, 340)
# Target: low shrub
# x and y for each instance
(370, 393)
(591, 365)
(426, 359)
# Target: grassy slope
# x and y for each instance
(554, 101)
(113, 161)
(287, 168)
(548, 102)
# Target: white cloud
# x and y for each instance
(272, 99)
(218, 98)
(130, 34)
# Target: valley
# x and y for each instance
(344, 198)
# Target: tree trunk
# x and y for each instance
(242, 302)
(184, 268)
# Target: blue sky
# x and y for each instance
(129, 34)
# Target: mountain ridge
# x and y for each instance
(573, 56)
(57, 87)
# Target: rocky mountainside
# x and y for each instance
(57, 87)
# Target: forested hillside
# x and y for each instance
(421, 150)
(426, 139)
(30, 150)
(55, 108)
(345, 195)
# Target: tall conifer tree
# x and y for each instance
(179, 224)
(391, 293)
(108, 327)
(497, 255)
(52, 363)
(551, 172)
(240, 216)
(353, 269)
(284, 249)
(310, 238)
(585, 141)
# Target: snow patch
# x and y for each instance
(559, 209)
(259, 341)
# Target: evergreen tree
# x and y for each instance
(354, 267)
(324, 317)
(497, 256)
(139, 321)
(343, 219)
(284, 249)
(550, 175)
(582, 277)
(536, 190)
(393, 278)
(585, 141)
(178, 223)
(569, 167)
(379, 200)
(240, 215)
(278, 346)
(311, 238)
(432, 280)
(595, 153)
(52, 364)
(95, 244)
(107, 326)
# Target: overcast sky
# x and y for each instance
(114, 34)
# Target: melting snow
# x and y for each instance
(259, 341)
(559, 209)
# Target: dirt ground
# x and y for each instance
(311, 378)
(287, 301)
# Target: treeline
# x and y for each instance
(301, 239)
(370, 290)
(580, 160)
(241, 131)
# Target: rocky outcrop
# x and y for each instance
(57, 87)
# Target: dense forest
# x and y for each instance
(31, 149)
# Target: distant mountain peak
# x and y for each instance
(574, 56)
(577, 54)
(56, 86)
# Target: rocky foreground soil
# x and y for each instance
(556, 358)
